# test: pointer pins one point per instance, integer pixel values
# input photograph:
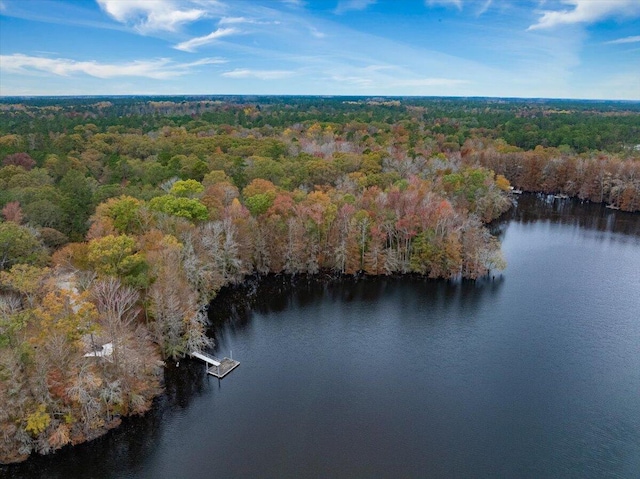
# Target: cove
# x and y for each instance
(535, 373)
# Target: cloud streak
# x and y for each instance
(197, 42)
(431, 82)
(259, 74)
(295, 3)
(485, 6)
(350, 5)
(317, 33)
(245, 20)
(358, 81)
(634, 39)
(586, 12)
(158, 69)
(446, 3)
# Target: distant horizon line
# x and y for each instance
(269, 95)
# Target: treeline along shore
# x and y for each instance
(121, 217)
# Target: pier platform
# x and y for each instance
(216, 367)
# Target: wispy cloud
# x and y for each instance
(349, 5)
(317, 33)
(193, 44)
(379, 68)
(586, 12)
(430, 82)
(245, 20)
(148, 16)
(634, 39)
(259, 74)
(484, 7)
(353, 80)
(446, 3)
(158, 69)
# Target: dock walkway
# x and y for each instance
(216, 367)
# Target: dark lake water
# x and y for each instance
(533, 374)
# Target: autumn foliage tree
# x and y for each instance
(13, 212)
(22, 160)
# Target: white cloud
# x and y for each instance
(259, 74)
(353, 80)
(586, 11)
(316, 33)
(194, 43)
(485, 6)
(441, 82)
(158, 69)
(152, 15)
(251, 21)
(347, 5)
(634, 39)
(379, 68)
(446, 3)
(234, 20)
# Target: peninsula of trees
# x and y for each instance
(122, 217)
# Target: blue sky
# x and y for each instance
(504, 48)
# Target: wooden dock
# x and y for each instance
(216, 367)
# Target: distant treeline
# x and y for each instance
(576, 125)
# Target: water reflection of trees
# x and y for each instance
(126, 448)
(120, 450)
(591, 216)
(232, 310)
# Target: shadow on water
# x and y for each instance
(232, 310)
(573, 212)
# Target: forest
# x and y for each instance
(122, 217)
